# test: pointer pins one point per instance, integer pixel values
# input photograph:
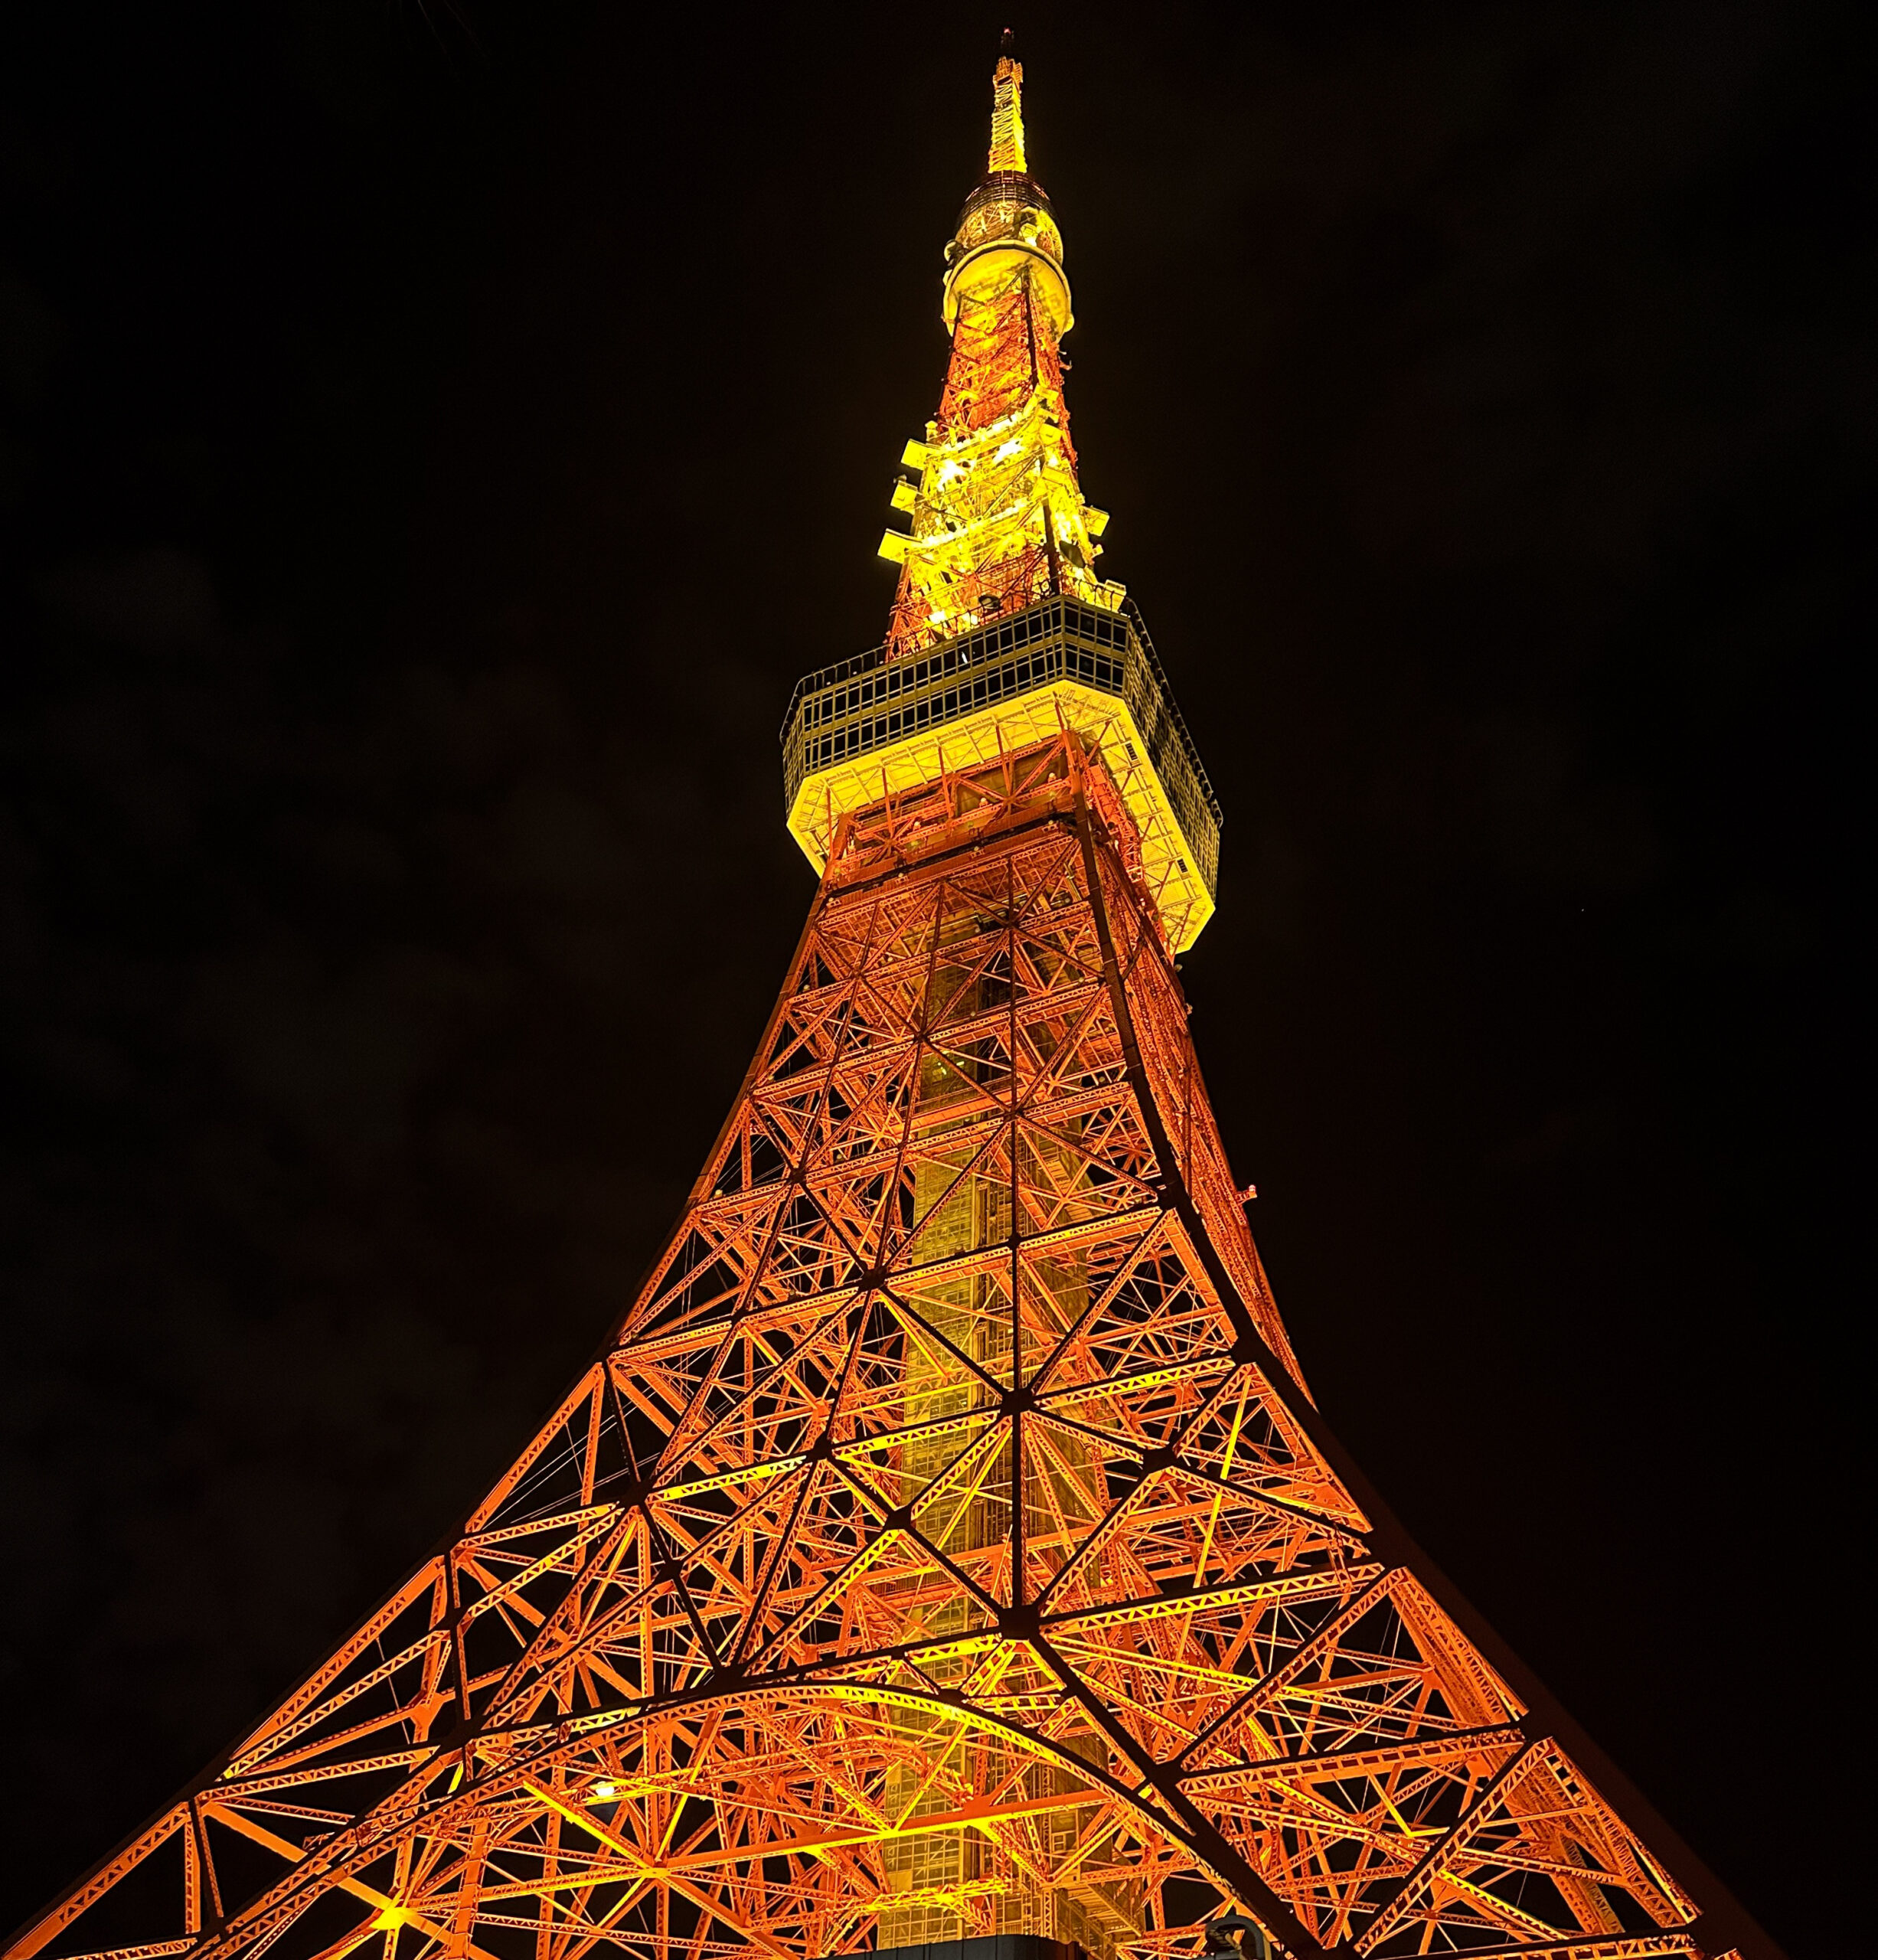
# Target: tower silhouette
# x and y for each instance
(945, 1543)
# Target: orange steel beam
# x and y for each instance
(285, 1848)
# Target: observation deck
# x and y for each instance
(868, 726)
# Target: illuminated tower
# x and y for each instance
(945, 1541)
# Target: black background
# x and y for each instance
(435, 440)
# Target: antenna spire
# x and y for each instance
(1006, 157)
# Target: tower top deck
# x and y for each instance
(1003, 632)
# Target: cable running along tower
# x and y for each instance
(945, 1543)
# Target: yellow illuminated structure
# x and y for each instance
(999, 518)
(1003, 634)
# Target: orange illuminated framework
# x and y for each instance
(945, 1542)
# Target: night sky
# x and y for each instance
(435, 439)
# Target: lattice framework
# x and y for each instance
(945, 1542)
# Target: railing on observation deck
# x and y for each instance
(867, 702)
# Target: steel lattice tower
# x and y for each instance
(945, 1541)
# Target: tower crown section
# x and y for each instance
(1007, 225)
(997, 517)
(1003, 631)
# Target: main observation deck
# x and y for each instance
(870, 727)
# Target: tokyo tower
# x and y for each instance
(944, 1545)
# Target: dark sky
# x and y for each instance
(435, 441)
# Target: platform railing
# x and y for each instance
(868, 702)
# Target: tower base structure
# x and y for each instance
(945, 1545)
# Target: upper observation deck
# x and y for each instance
(874, 725)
